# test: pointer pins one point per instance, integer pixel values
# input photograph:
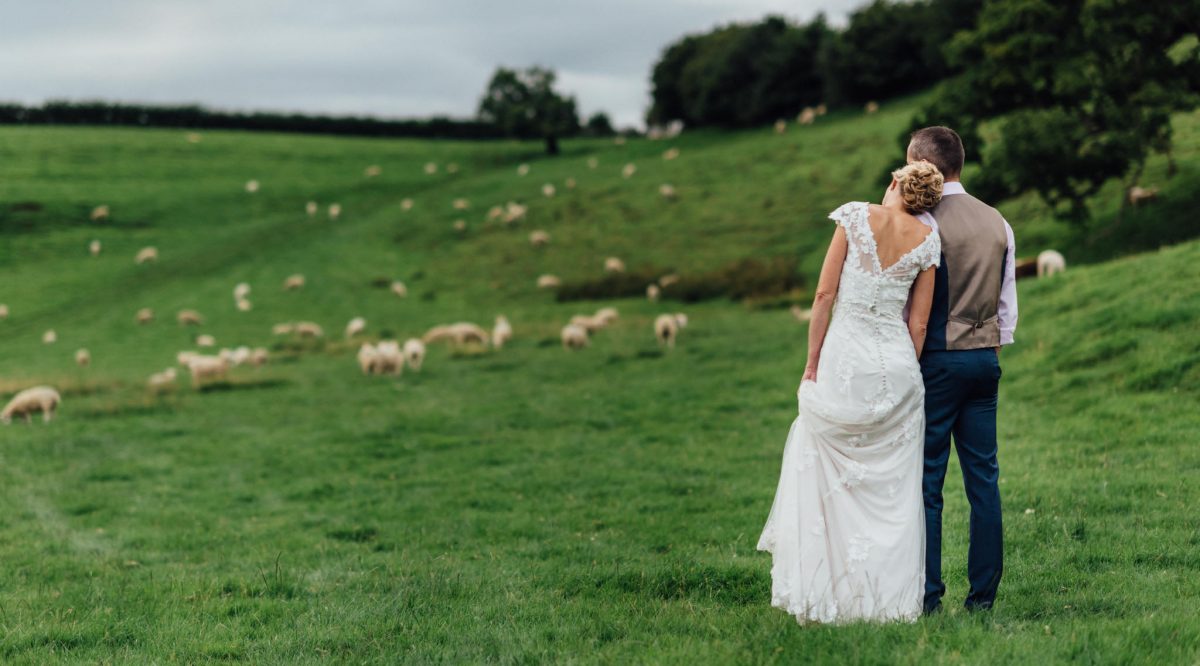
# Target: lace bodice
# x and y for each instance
(867, 288)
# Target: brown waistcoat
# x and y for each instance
(974, 245)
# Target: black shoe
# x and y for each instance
(932, 610)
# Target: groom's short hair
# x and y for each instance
(940, 145)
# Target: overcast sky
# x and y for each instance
(396, 58)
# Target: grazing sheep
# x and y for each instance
(871, 107)
(311, 208)
(460, 226)
(244, 305)
(653, 292)
(205, 340)
(335, 211)
(49, 337)
(37, 399)
(183, 357)
(619, 141)
(668, 280)
(667, 191)
(236, 356)
(189, 318)
(614, 265)
(670, 154)
(1139, 194)
(206, 368)
(162, 380)
(570, 183)
(145, 316)
(548, 190)
(83, 358)
(460, 333)
(607, 315)
(593, 323)
(193, 137)
(389, 358)
(802, 315)
(398, 288)
(821, 109)
(372, 171)
(3, 311)
(146, 254)
(501, 332)
(514, 212)
(307, 329)
(780, 126)
(259, 356)
(628, 170)
(460, 204)
(539, 238)
(574, 337)
(495, 213)
(252, 186)
(368, 359)
(431, 168)
(293, 282)
(523, 170)
(406, 204)
(356, 326)
(452, 167)
(807, 116)
(240, 291)
(593, 162)
(1050, 262)
(666, 328)
(286, 328)
(94, 248)
(99, 213)
(414, 353)
(548, 281)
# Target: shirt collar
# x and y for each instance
(953, 187)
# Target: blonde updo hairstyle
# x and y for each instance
(920, 186)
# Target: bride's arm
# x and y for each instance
(922, 301)
(827, 287)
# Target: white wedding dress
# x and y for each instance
(847, 527)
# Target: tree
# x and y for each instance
(524, 104)
(599, 125)
(1069, 94)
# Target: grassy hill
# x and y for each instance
(531, 504)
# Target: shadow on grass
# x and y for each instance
(220, 387)
(679, 580)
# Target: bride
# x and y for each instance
(847, 527)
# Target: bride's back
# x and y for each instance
(896, 233)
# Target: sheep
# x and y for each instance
(452, 167)
(871, 107)
(666, 328)
(259, 356)
(244, 305)
(94, 248)
(548, 281)
(570, 183)
(356, 326)
(495, 213)
(183, 357)
(821, 109)
(286, 328)
(398, 288)
(460, 204)
(240, 291)
(251, 186)
(802, 315)
(37, 399)
(807, 116)
(460, 333)
(206, 367)
(144, 316)
(539, 238)
(628, 170)
(668, 280)
(236, 356)
(607, 315)
(193, 137)
(593, 162)
(618, 140)
(161, 380)
(3, 311)
(548, 190)
(614, 265)
(431, 168)
(372, 171)
(523, 170)
(591, 323)
(311, 208)
(674, 129)
(307, 329)
(100, 213)
(406, 204)
(460, 226)
(1139, 194)
(1050, 262)
(501, 332)
(83, 358)
(368, 358)
(389, 359)
(667, 191)
(189, 318)
(414, 353)
(146, 254)
(293, 282)
(514, 212)
(335, 211)
(780, 126)
(49, 337)
(574, 337)
(670, 154)
(653, 292)
(205, 340)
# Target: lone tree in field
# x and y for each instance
(524, 104)
(1068, 94)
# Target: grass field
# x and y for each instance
(532, 505)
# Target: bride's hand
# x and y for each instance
(810, 373)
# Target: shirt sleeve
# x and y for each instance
(1007, 310)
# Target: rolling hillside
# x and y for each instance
(529, 504)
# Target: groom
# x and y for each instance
(974, 313)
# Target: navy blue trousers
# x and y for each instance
(960, 400)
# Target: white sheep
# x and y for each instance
(94, 248)
(100, 213)
(523, 170)
(431, 168)
(461, 204)
(459, 333)
(514, 212)
(666, 328)
(193, 137)
(285, 328)
(205, 340)
(495, 213)
(146, 254)
(183, 357)
(251, 186)
(871, 107)
(607, 315)
(1138, 194)
(372, 171)
(618, 140)
(83, 358)
(1050, 262)
(548, 190)
(259, 356)
(667, 191)
(807, 116)
(368, 358)
(206, 367)
(592, 162)
(391, 358)
(589, 323)
(335, 211)
(3, 311)
(539, 238)
(49, 337)
(821, 109)
(460, 226)
(161, 380)
(780, 126)
(501, 332)
(614, 265)
(801, 314)
(293, 282)
(311, 208)
(398, 288)
(414, 353)
(668, 280)
(570, 183)
(189, 318)
(547, 281)
(144, 316)
(653, 292)
(240, 291)
(244, 305)
(406, 204)
(356, 326)
(37, 399)
(307, 329)
(671, 154)
(452, 167)
(628, 170)
(574, 337)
